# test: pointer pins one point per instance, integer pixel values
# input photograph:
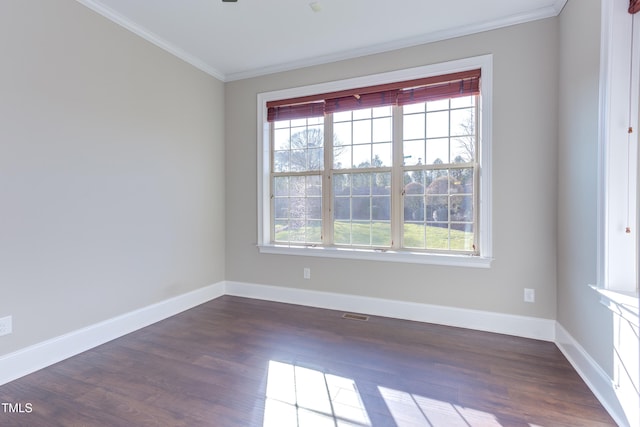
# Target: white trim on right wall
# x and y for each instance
(617, 257)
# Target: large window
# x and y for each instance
(394, 170)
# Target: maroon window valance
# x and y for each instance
(433, 88)
(634, 6)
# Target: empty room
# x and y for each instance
(319, 213)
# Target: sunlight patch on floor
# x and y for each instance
(303, 397)
(410, 410)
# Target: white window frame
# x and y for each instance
(617, 257)
(483, 260)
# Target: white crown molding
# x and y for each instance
(559, 5)
(210, 69)
(140, 31)
(431, 37)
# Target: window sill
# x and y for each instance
(624, 304)
(375, 255)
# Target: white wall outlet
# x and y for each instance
(529, 295)
(306, 273)
(6, 325)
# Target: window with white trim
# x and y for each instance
(618, 200)
(395, 170)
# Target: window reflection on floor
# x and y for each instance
(414, 410)
(303, 397)
(297, 396)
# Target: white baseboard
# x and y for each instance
(591, 373)
(528, 327)
(38, 356)
(30, 359)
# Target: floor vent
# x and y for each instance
(352, 316)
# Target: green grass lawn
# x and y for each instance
(378, 234)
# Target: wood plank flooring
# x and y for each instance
(242, 362)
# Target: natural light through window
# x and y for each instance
(397, 170)
(301, 397)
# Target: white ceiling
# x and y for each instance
(232, 41)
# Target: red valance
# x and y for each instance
(634, 6)
(464, 83)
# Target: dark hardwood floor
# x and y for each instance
(242, 362)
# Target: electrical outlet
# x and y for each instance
(306, 273)
(529, 295)
(6, 326)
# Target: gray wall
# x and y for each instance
(111, 171)
(579, 311)
(524, 182)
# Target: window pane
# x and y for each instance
(342, 116)
(463, 101)
(315, 159)
(364, 113)
(342, 208)
(381, 208)
(414, 208)
(381, 184)
(341, 184)
(342, 133)
(362, 156)
(362, 209)
(314, 232)
(297, 186)
(437, 151)
(462, 237)
(462, 122)
(281, 186)
(314, 185)
(414, 152)
(381, 111)
(281, 139)
(382, 129)
(314, 208)
(463, 149)
(342, 157)
(414, 108)
(438, 124)
(437, 237)
(342, 232)
(281, 124)
(361, 184)
(362, 132)
(361, 233)
(281, 208)
(442, 104)
(281, 161)
(381, 155)
(297, 207)
(414, 235)
(461, 208)
(298, 160)
(299, 148)
(462, 180)
(381, 234)
(413, 126)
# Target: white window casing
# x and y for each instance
(483, 257)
